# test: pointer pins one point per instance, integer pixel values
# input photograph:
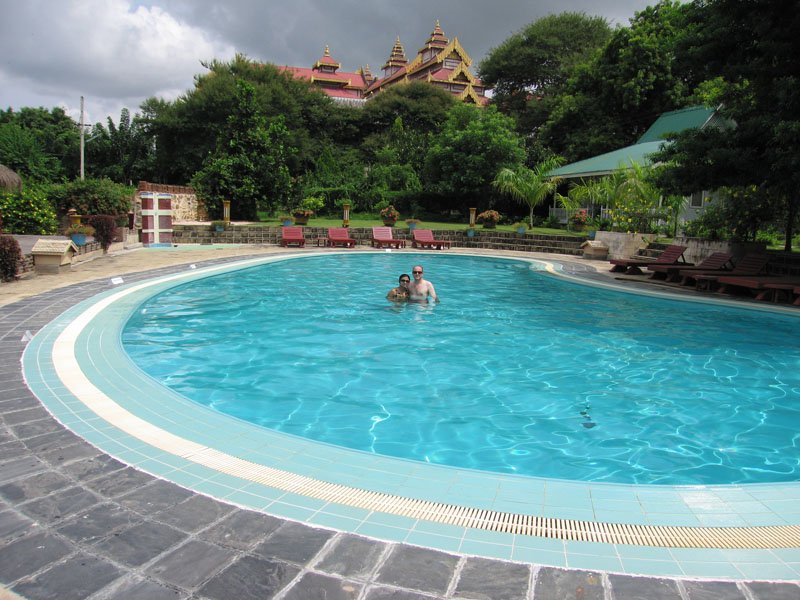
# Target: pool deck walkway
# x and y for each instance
(76, 523)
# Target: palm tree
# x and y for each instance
(529, 186)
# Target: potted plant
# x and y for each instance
(77, 233)
(521, 227)
(412, 224)
(286, 220)
(307, 208)
(578, 220)
(389, 215)
(489, 218)
(218, 226)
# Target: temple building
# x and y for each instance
(440, 62)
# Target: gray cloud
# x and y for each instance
(119, 52)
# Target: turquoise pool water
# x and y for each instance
(516, 371)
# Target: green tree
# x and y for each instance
(611, 100)
(21, 152)
(185, 131)
(474, 144)
(530, 69)
(57, 138)
(91, 197)
(249, 165)
(529, 186)
(122, 152)
(27, 212)
(749, 50)
(420, 106)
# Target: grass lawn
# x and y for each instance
(371, 221)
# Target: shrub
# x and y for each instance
(105, 228)
(27, 212)
(10, 257)
(92, 197)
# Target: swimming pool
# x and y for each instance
(516, 371)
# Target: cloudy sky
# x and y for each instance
(116, 53)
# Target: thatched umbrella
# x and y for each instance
(9, 180)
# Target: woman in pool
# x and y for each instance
(400, 293)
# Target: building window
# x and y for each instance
(450, 63)
(696, 200)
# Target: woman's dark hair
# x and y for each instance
(404, 275)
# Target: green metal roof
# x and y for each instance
(609, 162)
(651, 141)
(676, 121)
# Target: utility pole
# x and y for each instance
(82, 130)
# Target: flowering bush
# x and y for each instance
(390, 213)
(27, 212)
(489, 216)
(579, 219)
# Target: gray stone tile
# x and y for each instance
(60, 505)
(555, 584)
(241, 530)
(390, 593)
(483, 578)
(195, 513)
(191, 564)
(100, 522)
(119, 482)
(250, 577)
(713, 590)
(418, 569)
(156, 496)
(293, 542)
(315, 586)
(352, 556)
(12, 450)
(74, 579)
(29, 554)
(60, 438)
(30, 431)
(69, 453)
(34, 487)
(774, 591)
(92, 468)
(23, 416)
(14, 525)
(643, 588)
(18, 467)
(134, 587)
(141, 543)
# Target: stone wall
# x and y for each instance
(186, 207)
(624, 245)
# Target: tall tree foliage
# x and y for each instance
(611, 100)
(185, 130)
(249, 164)
(530, 69)
(48, 140)
(749, 48)
(529, 186)
(120, 152)
(474, 144)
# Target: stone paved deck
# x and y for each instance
(76, 523)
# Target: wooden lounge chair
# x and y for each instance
(749, 265)
(339, 236)
(672, 255)
(382, 238)
(713, 262)
(292, 235)
(423, 238)
(758, 284)
(777, 289)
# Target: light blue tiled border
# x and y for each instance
(101, 356)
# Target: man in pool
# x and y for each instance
(400, 293)
(421, 290)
